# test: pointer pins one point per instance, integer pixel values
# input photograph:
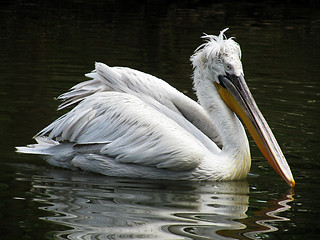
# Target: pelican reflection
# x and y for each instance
(99, 207)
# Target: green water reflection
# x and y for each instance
(47, 46)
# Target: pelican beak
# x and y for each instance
(236, 94)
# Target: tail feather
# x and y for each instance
(42, 146)
(48, 147)
(60, 154)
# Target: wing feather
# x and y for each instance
(144, 86)
(135, 117)
(133, 131)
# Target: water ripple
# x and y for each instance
(99, 207)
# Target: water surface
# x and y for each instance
(46, 47)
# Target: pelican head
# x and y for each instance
(219, 62)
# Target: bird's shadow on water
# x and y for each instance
(99, 207)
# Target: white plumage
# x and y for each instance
(129, 123)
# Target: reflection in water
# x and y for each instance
(261, 222)
(267, 217)
(99, 207)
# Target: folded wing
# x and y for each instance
(130, 131)
(145, 87)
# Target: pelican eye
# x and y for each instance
(228, 67)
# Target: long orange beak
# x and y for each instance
(236, 94)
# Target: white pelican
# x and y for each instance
(129, 123)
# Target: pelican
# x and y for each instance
(128, 123)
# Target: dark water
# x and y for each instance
(47, 46)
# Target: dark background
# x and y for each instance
(47, 46)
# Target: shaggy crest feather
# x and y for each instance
(215, 46)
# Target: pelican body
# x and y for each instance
(128, 123)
